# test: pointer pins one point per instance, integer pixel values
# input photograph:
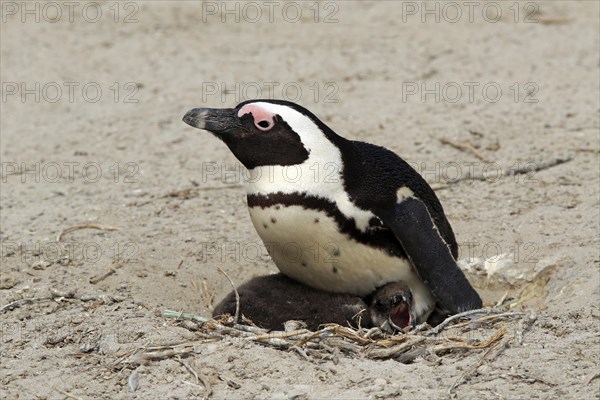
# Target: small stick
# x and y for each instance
(492, 317)
(596, 376)
(238, 329)
(16, 303)
(191, 317)
(537, 166)
(177, 344)
(452, 318)
(236, 317)
(207, 295)
(193, 192)
(162, 355)
(471, 371)
(301, 352)
(67, 394)
(341, 344)
(298, 334)
(189, 368)
(418, 328)
(207, 387)
(466, 147)
(499, 302)
(19, 303)
(527, 168)
(220, 187)
(393, 352)
(410, 355)
(84, 226)
(102, 277)
(464, 346)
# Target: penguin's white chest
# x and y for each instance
(307, 246)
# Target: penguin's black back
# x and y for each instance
(372, 176)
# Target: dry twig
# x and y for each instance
(96, 279)
(236, 317)
(72, 396)
(524, 169)
(466, 147)
(84, 226)
(467, 375)
(452, 318)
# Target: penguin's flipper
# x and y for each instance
(412, 225)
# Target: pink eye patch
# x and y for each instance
(263, 120)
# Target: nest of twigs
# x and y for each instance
(476, 330)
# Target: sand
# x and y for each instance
(91, 133)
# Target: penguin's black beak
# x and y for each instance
(219, 121)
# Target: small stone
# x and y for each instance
(7, 282)
(87, 347)
(40, 265)
(23, 315)
(302, 396)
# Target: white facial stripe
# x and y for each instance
(319, 175)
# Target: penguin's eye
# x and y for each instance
(264, 125)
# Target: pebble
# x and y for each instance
(40, 265)
(380, 382)
(23, 315)
(7, 282)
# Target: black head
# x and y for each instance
(263, 132)
(391, 307)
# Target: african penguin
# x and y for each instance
(339, 215)
(270, 301)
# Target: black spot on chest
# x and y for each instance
(377, 236)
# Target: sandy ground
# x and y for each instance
(91, 134)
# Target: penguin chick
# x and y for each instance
(391, 308)
(270, 301)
